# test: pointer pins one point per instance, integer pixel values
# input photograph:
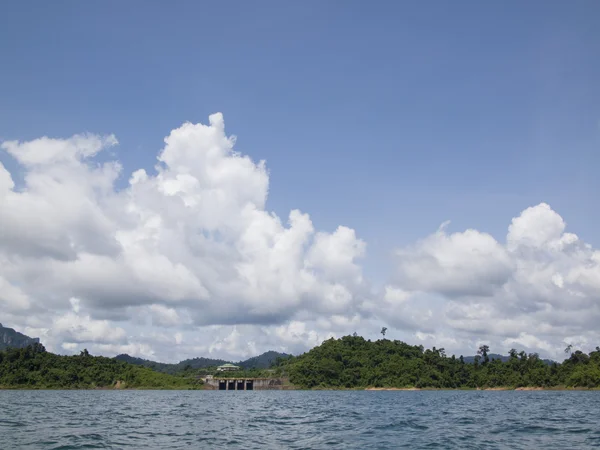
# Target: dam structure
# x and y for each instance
(243, 384)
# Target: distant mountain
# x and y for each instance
(195, 363)
(503, 358)
(10, 338)
(263, 361)
(471, 359)
(159, 367)
(200, 363)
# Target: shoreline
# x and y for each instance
(372, 389)
(498, 388)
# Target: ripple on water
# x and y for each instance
(296, 420)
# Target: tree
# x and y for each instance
(483, 351)
(568, 349)
(383, 331)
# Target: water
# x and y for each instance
(298, 419)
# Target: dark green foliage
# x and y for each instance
(10, 338)
(353, 362)
(33, 367)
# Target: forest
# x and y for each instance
(350, 362)
(33, 367)
(353, 362)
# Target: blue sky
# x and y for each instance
(388, 117)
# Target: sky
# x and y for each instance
(221, 179)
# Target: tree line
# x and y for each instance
(33, 367)
(353, 362)
(348, 362)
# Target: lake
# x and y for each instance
(299, 419)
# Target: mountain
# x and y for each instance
(10, 338)
(263, 361)
(503, 358)
(199, 363)
(159, 367)
(194, 363)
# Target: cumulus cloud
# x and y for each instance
(457, 264)
(185, 260)
(190, 244)
(46, 151)
(535, 291)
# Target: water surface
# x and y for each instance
(299, 419)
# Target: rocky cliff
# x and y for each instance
(11, 338)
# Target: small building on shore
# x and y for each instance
(227, 368)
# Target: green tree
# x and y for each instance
(568, 349)
(483, 351)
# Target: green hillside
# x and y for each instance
(264, 361)
(33, 367)
(353, 362)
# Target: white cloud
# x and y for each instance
(185, 260)
(46, 151)
(167, 317)
(543, 285)
(12, 297)
(537, 226)
(529, 341)
(178, 338)
(191, 245)
(74, 327)
(467, 263)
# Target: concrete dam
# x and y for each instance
(243, 384)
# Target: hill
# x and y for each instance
(10, 338)
(503, 358)
(182, 366)
(263, 361)
(33, 367)
(353, 362)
